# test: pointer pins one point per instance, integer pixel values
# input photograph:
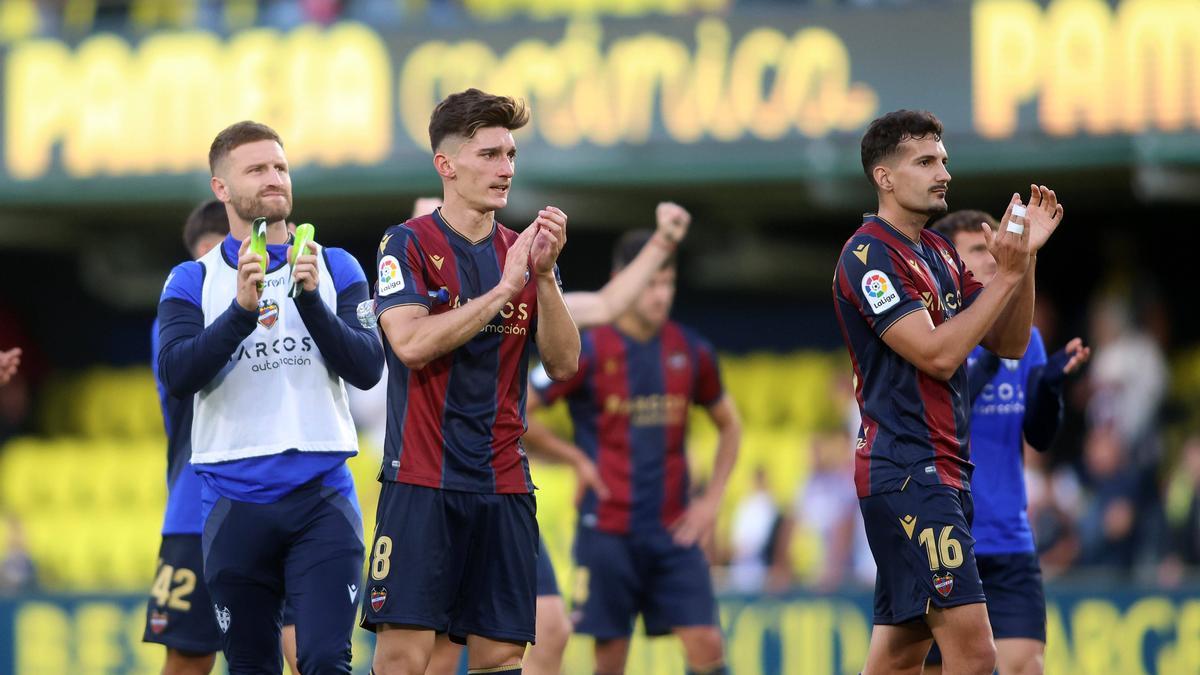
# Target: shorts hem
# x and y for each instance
(461, 633)
(920, 613)
(659, 631)
(182, 645)
(396, 620)
(604, 635)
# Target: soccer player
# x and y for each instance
(637, 548)
(588, 308)
(460, 299)
(1014, 402)
(271, 429)
(179, 613)
(910, 313)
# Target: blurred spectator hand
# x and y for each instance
(672, 221)
(1078, 353)
(9, 361)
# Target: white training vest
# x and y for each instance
(275, 393)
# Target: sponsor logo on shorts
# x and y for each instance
(268, 313)
(908, 523)
(378, 597)
(944, 583)
(158, 621)
(223, 618)
(353, 590)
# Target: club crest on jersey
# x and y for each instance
(677, 361)
(944, 583)
(158, 622)
(223, 618)
(390, 277)
(268, 313)
(879, 291)
(378, 597)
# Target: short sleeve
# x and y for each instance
(344, 269)
(401, 272)
(185, 282)
(550, 391)
(707, 389)
(869, 280)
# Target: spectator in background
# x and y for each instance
(827, 506)
(17, 573)
(1184, 498)
(9, 361)
(757, 523)
(1107, 528)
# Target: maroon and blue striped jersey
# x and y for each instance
(629, 404)
(914, 426)
(456, 424)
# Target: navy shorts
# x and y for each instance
(547, 584)
(921, 540)
(621, 576)
(307, 546)
(1016, 603)
(179, 613)
(462, 563)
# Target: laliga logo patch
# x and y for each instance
(944, 583)
(222, 618)
(378, 597)
(158, 622)
(268, 313)
(390, 277)
(879, 291)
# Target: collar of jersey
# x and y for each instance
(450, 231)
(869, 217)
(276, 252)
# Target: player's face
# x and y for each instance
(205, 244)
(972, 248)
(653, 307)
(483, 168)
(257, 181)
(919, 176)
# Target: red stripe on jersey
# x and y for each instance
(614, 454)
(508, 466)
(678, 367)
(862, 455)
(939, 419)
(423, 439)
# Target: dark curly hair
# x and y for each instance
(886, 134)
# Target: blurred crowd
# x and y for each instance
(1118, 494)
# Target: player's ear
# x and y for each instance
(220, 191)
(883, 177)
(443, 165)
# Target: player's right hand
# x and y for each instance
(672, 221)
(9, 361)
(588, 477)
(250, 275)
(516, 263)
(1011, 250)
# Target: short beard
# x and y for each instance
(249, 208)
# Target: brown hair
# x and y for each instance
(236, 135)
(886, 134)
(207, 218)
(966, 220)
(466, 112)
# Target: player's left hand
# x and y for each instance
(1042, 216)
(1079, 354)
(306, 271)
(696, 524)
(549, 241)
